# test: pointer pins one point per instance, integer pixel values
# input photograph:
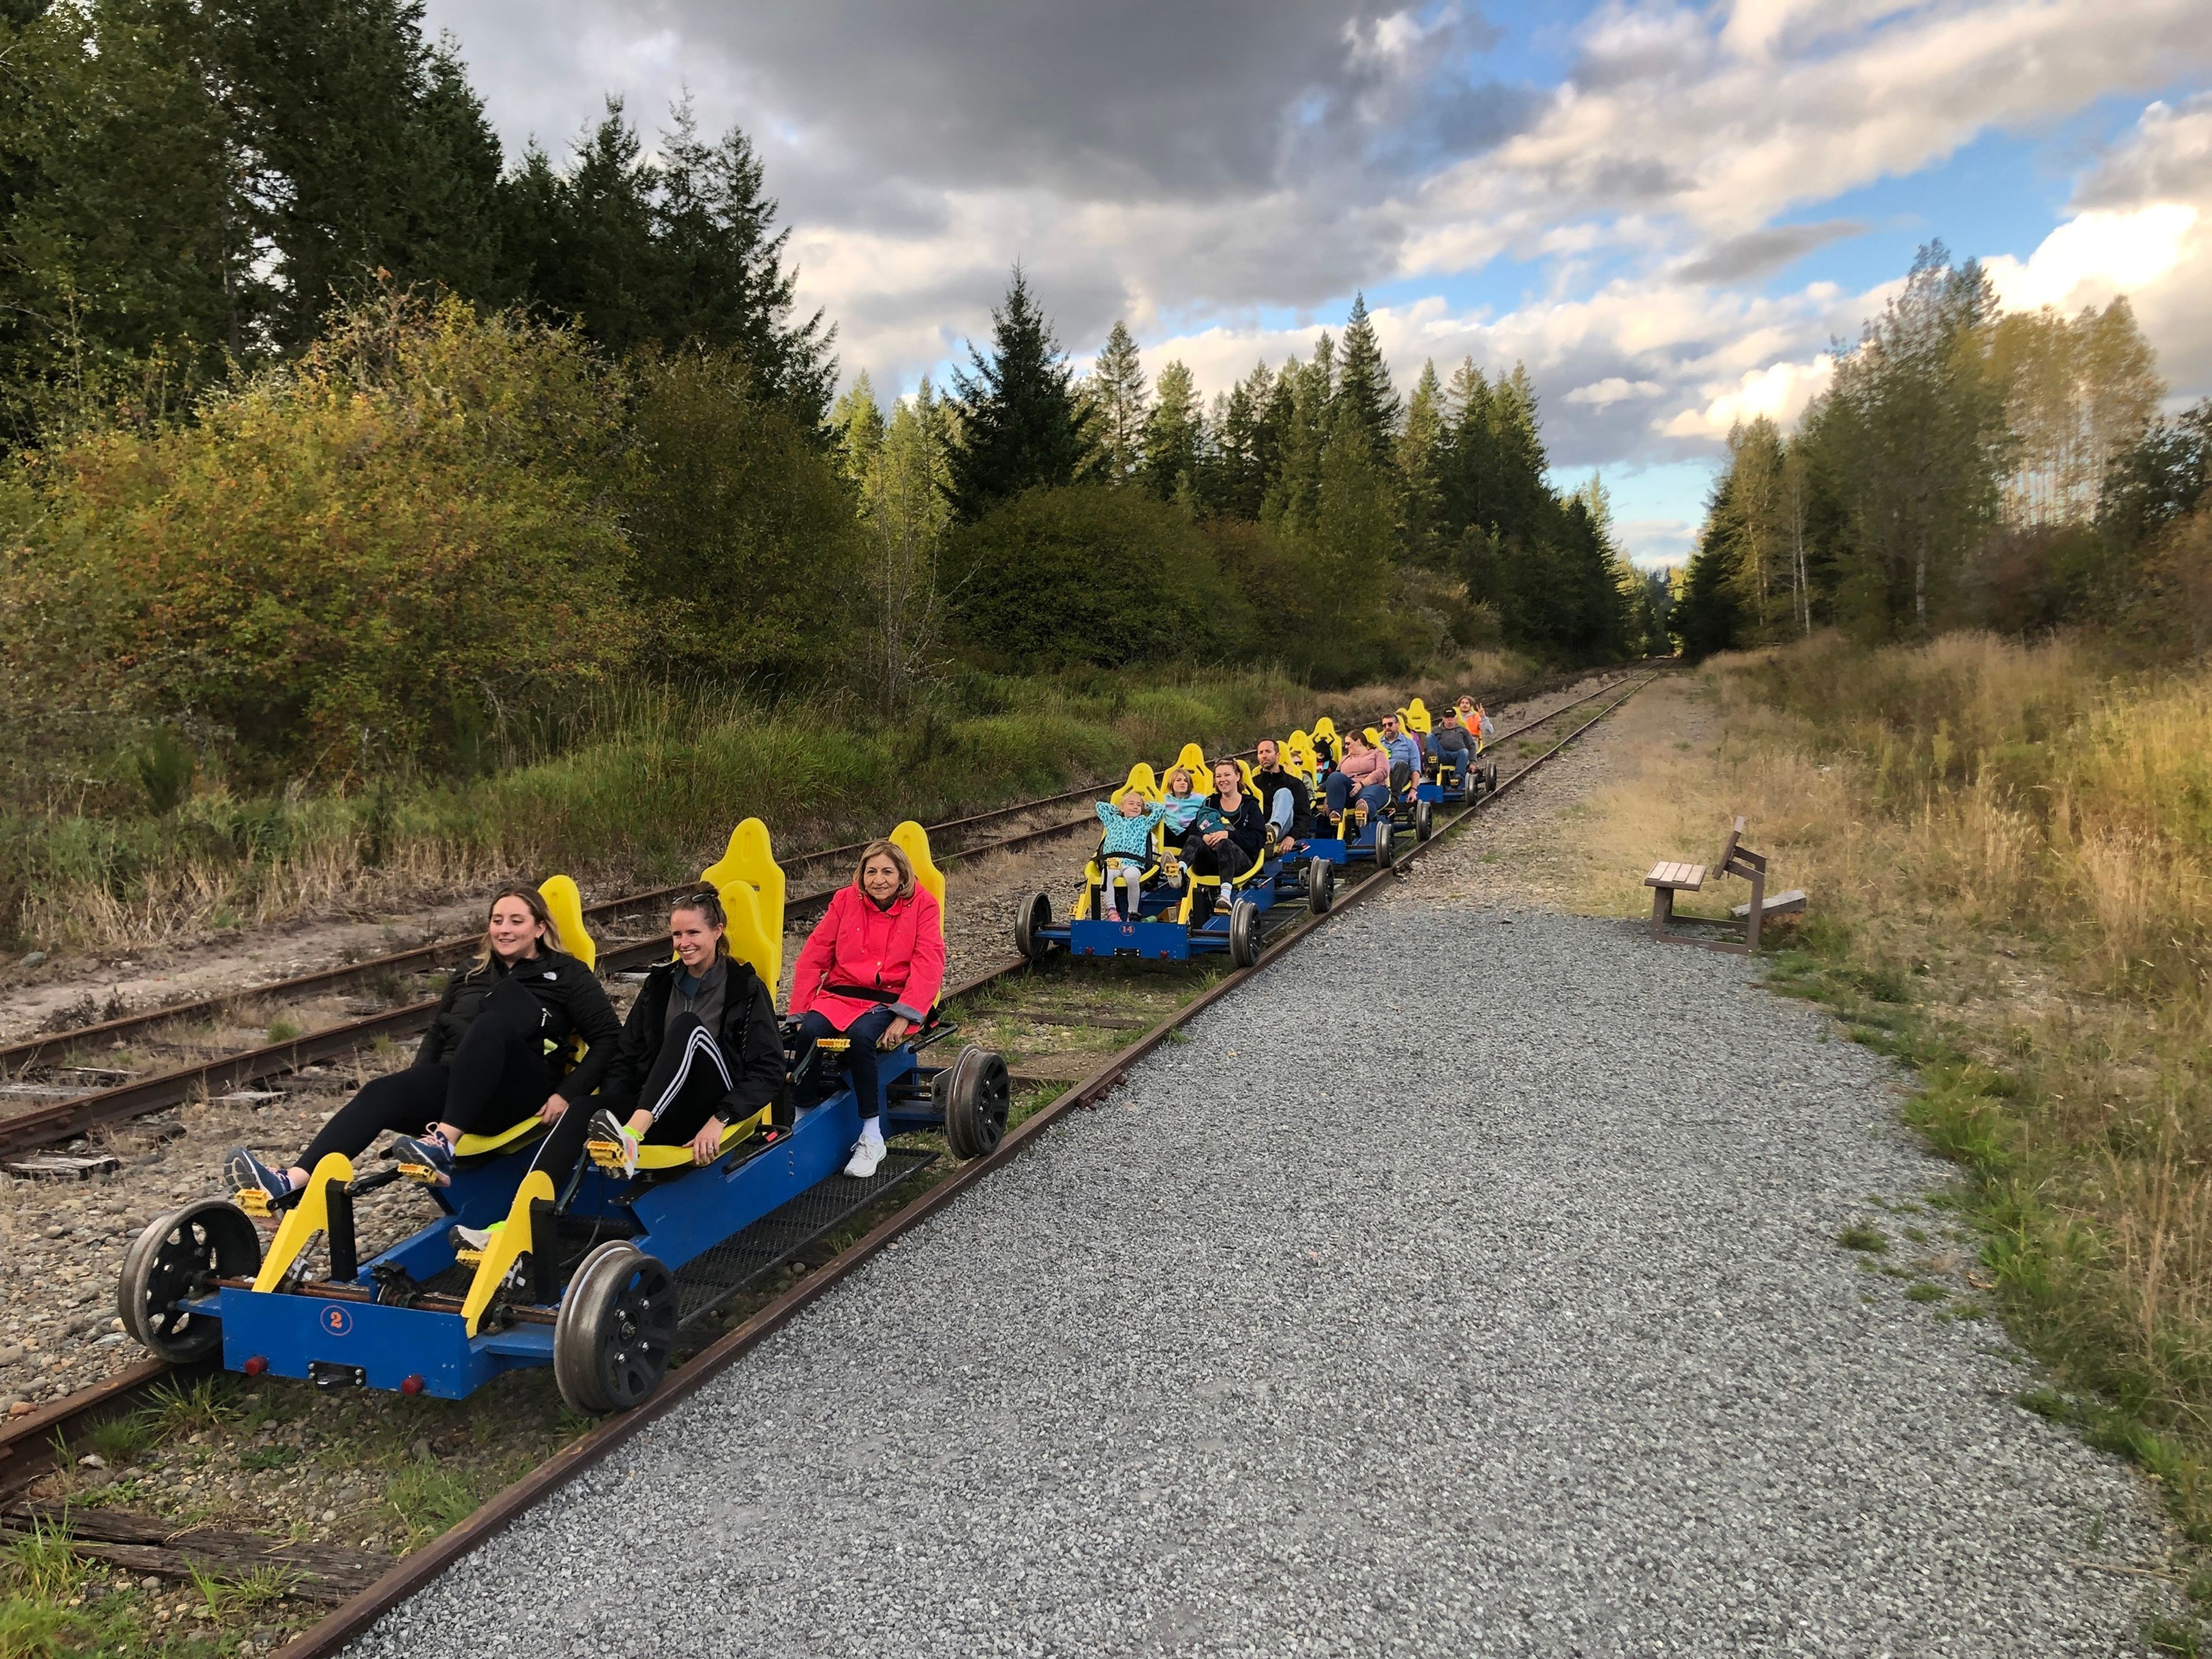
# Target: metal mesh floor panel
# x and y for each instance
(705, 1282)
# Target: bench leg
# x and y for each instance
(1757, 905)
(1663, 910)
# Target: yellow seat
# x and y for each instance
(911, 839)
(752, 885)
(1244, 771)
(1140, 778)
(1326, 744)
(506, 1141)
(1193, 758)
(1416, 718)
(608, 1154)
(566, 906)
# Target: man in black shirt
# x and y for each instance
(1271, 781)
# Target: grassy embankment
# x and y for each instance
(644, 788)
(2009, 856)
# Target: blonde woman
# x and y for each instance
(872, 970)
(488, 1059)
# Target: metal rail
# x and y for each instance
(65, 1119)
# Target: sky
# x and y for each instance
(1671, 214)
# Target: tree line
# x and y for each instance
(1965, 466)
(340, 441)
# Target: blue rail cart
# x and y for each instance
(598, 1287)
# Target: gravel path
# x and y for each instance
(1523, 1330)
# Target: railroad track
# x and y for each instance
(31, 1445)
(67, 1119)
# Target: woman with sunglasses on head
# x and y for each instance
(491, 1057)
(700, 1051)
(871, 970)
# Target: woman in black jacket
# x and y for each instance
(491, 1057)
(700, 1051)
(1228, 846)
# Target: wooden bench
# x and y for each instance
(1735, 859)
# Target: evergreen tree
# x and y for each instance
(126, 262)
(857, 424)
(369, 152)
(1364, 396)
(1175, 436)
(1115, 393)
(581, 242)
(1420, 451)
(721, 279)
(1300, 415)
(1020, 426)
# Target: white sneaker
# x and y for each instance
(866, 1155)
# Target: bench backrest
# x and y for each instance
(1728, 847)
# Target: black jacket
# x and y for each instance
(1265, 784)
(574, 1001)
(1247, 824)
(751, 1041)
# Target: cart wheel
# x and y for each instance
(1320, 886)
(616, 1330)
(1244, 932)
(1491, 777)
(1385, 855)
(974, 1093)
(1036, 917)
(1424, 819)
(178, 1256)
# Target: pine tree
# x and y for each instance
(1364, 395)
(857, 423)
(1020, 427)
(1421, 454)
(370, 153)
(721, 279)
(1175, 436)
(582, 239)
(1115, 392)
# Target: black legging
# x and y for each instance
(688, 1083)
(1228, 860)
(499, 1075)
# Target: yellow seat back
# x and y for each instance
(911, 839)
(748, 867)
(1300, 750)
(1374, 737)
(1416, 718)
(1193, 758)
(1244, 769)
(1140, 778)
(566, 906)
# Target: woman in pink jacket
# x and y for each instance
(872, 969)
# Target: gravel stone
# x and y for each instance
(1512, 1323)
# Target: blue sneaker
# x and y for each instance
(427, 1158)
(257, 1185)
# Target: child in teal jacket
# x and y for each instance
(1129, 821)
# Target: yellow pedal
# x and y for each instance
(422, 1174)
(469, 1258)
(253, 1202)
(607, 1154)
(833, 1045)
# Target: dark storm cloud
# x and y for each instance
(1129, 100)
(1759, 252)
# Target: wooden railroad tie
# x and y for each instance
(1667, 880)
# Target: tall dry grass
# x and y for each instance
(642, 785)
(2009, 850)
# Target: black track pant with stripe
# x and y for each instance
(688, 1083)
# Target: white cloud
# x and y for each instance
(1612, 390)
(1779, 392)
(2095, 255)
